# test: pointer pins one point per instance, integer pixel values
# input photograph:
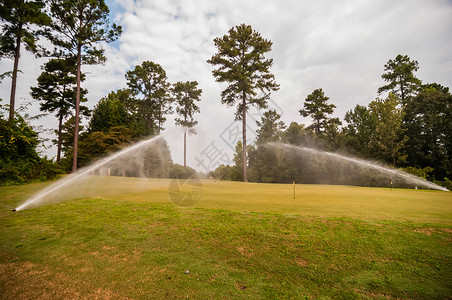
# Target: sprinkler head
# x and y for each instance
(13, 209)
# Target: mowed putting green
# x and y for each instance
(318, 200)
(124, 238)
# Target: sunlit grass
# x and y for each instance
(319, 200)
(239, 241)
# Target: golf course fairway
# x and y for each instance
(125, 238)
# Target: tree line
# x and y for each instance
(409, 128)
(77, 30)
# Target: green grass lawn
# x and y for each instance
(124, 238)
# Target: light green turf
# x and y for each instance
(124, 239)
(318, 200)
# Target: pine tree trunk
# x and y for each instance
(160, 118)
(12, 100)
(245, 177)
(60, 129)
(185, 148)
(402, 89)
(77, 109)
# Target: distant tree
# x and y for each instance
(56, 91)
(97, 144)
(399, 73)
(388, 137)
(108, 112)
(296, 134)
(224, 172)
(242, 64)
(359, 129)
(148, 82)
(428, 124)
(435, 86)
(270, 128)
(21, 20)
(181, 172)
(185, 94)
(334, 136)
(135, 120)
(78, 28)
(235, 174)
(316, 106)
(268, 163)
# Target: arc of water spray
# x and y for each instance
(73, 177)
(393, 172)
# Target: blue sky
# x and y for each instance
(339, 46)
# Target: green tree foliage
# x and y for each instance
(428, 123)
(94, 145)
(241, 63)
(21, 20)
(127, 111)
(359, 130)
(56, 92)
(388, 136)
(182, 172)
(269, 163)
(399, 73)
(108, 112)
(152, 161)
(316, 106)
(297, 134)
(19, 160)
(271, 128)
(185, 94)
(236, 175)
(78, 28)
(155, 161)
(224, 172)
(149, 83)
(416, 135)
(67, 142)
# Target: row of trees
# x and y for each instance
(408, 128)
(127, 115)
(75, 28)
(394, 129)
(411, 128)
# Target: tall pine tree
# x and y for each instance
(241, 63)
(400, 77)
(149, 83)
(79, 26)
(56, 91)
(20, 19)
(185, 94)
(316, 106)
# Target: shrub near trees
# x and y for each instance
(19, 158)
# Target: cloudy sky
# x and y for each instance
(339, 46)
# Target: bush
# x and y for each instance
(19, 161)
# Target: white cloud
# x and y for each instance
(340, 46)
